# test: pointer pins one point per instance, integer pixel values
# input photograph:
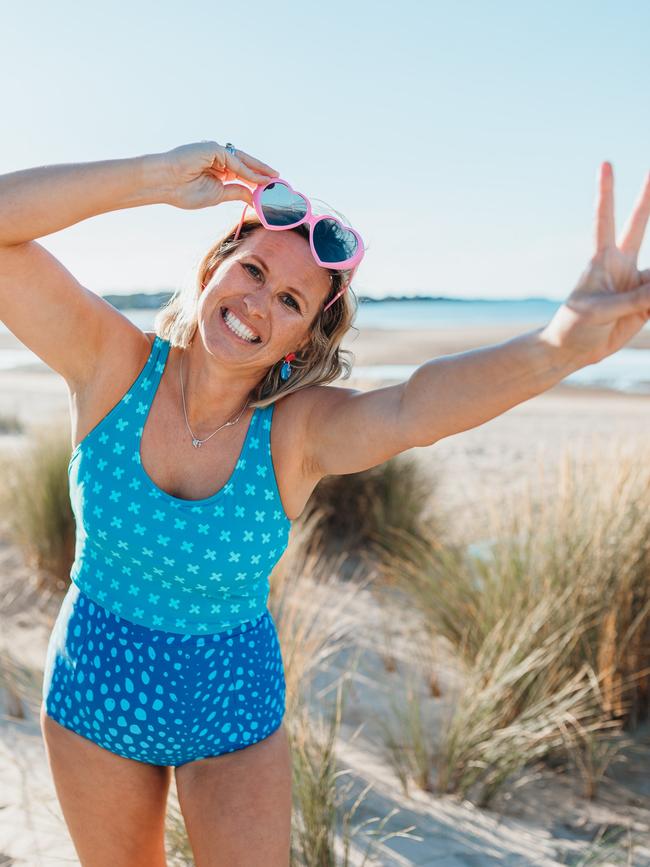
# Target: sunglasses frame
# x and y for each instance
(348, 264)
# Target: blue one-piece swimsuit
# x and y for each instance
(164, 649)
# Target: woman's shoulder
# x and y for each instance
(123, 358)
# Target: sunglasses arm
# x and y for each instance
(241, 222)
(346, 285)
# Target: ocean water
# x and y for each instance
(628, 370)
(452, 313)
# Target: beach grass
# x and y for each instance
(374, 514)
(10, 423)
(325, 827)
(551, 624)
(35, 505)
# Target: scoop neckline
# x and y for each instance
(182, 500)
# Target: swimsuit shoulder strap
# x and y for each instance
(266, 420)
(152, 372)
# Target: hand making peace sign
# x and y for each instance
(611, 302)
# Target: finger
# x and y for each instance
(233, 167)
(242, 171)
(605, 231)
(623, 303)
(256, 164)
(236, 162)
(632, 236)
(224, 174)
(236, 192)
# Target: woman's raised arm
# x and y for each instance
(453, 393)
(68, 326)
(38, 201)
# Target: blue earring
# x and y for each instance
(285, 371)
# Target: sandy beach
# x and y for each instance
(499, 457)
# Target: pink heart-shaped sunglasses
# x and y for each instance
(333, 244)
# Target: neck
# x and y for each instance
(212, 394)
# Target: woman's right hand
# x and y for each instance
(195, 175)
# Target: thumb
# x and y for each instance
(633, 301)
(233, 192)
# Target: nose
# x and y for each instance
(257, 302)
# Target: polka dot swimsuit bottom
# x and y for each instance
(159, 697)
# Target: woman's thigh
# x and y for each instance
(114, 803)
(235, 794)
(114, 807)
(237, 806)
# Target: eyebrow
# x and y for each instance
(266, 268)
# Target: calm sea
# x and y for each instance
(439, 314)
(627, 370)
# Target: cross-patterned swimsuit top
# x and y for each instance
(185, 566)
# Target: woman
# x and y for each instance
(164, 653)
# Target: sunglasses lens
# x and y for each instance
(333, 242)
(281, 206)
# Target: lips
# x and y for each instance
(258, 339)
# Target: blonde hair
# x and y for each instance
(319, 362)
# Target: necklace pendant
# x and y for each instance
(196, 443)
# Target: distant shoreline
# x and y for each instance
(155, 300)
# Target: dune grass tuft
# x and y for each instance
(321, 796)
(551, 624)
(35, 505)
(11, 424)
(372, 514)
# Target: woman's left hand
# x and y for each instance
(611, 302)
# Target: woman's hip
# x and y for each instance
(103, 651)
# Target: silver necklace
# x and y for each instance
(197, 443)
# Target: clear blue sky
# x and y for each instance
(461, 139)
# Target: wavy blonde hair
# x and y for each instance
(321, 361)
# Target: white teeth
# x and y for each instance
(238, 327)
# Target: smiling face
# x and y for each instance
(273, 286)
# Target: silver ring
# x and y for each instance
(230, 148)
